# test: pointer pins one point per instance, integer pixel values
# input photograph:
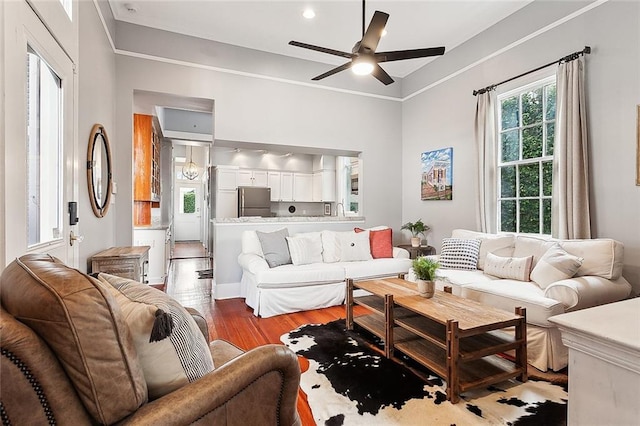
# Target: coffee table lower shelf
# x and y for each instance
(470, 371)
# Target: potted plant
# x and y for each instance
(424, 269)
(416, 228)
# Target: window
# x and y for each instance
(526, 120)
(187, 200)
(44, 152)
(348, 175)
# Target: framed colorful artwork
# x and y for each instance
(437, 175)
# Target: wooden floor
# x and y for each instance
(231, 319)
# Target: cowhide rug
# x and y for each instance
(349, 383)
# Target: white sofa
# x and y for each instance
(292, 288)
(597, 281)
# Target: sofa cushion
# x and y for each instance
(274, 247)
(380, 241)
(251, 243)
(330, 250)
(498, 244)
(305, 249)
(376, 268)
(515, 268)
(509, 294)
(602, 257)
(172, 359)
(555, 265)
(84, 326)
(456, 279)
(531, 246)
(286, 276)
(354, 246)
(459, 253)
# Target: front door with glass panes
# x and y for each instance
(40, 142)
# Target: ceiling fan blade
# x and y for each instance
(399, 55)
(321, 49)
(382, 75)
(371, 38)
(333, 71)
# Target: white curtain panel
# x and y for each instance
(570, 206)
(485, 133)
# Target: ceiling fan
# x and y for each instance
(363, 57)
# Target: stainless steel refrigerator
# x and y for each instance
(254, 201)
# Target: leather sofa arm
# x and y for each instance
(200, 321)
(587, 291)
(258, 387)
(252, 262)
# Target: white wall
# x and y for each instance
(256, 110)
(96, 89)
(443, 116)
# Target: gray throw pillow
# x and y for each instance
(275, 247)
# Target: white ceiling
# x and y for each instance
(269, 25)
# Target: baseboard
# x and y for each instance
(227, 291)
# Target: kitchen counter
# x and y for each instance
(288, 219)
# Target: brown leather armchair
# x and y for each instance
(257, 387)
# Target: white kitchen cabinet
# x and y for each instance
(226, 178)
(226, 203)
(324, 186)
(274, 180)
(252, 178)
(158, 240)
(302, 187)
(286, 186)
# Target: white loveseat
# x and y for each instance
(292, 288)
(598, 280)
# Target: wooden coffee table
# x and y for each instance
(456, 338)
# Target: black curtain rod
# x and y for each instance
(571, 57)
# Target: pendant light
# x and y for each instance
(190, 170)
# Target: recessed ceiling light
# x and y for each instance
(309, 14)
(384, 32)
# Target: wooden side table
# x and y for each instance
(418, 251)
(125, 262)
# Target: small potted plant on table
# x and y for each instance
(416, 228)
(425, 270)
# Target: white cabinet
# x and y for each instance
(226, 203)
(324, 185)
(286, 186)
(226, 178)
(302, 187)
(252, 178)
(158, 240)
(274, 180)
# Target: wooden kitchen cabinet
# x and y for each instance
(302, 187)
(146, 160)
(252, 178)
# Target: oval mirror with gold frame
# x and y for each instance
(99, 170)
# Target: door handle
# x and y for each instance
(73, 237)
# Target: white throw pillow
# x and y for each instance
(512, 268)
(330, 247)
(305, 249)
(459, 253)
(555, 265)
(354, 246)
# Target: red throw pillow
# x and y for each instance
(380, 242)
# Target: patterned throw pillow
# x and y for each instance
(458, 253)
(513, 268)
(170, 346)
(305, 248)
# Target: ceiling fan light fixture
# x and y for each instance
(362, 66)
